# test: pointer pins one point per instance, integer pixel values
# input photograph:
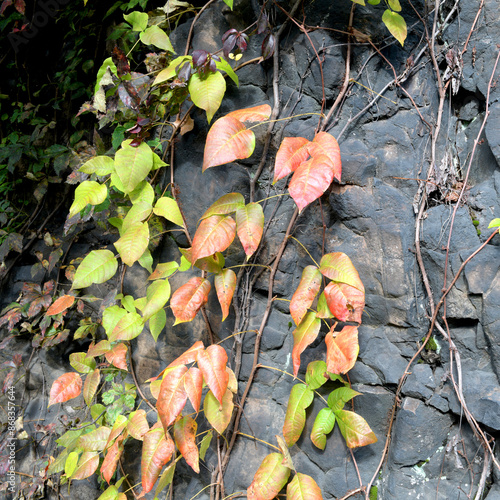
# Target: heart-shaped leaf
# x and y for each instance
(225, 283)
(187, 300)
(250, 225)
(305, 294)
(185, 439)
(311, 179)
(304, 335)
(342, 350)
(214, 234)
(295, 419)
(227, 140)
(269, 479)
(292, 153)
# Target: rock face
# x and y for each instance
(371, 216)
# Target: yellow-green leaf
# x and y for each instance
(207, 93)
(97, 267)
(396, 24)
(133, 243)
(168, 208)
(88, 192)
(99, 165)
(132, 165)
(157, 37)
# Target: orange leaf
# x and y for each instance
(342, 350)
(110, 461)
(292, 152)
(117, 356)
(355, 429)
(212, 363)
(255, 114)
(345, 302)
(60, 305)
(87, 465)
(305, 294)
(193, 384)
(185, 439)
(304, 335)
(90, 386)
(137, 424)
(326, 144)
(99, 349)
(214, 234)
(225, 283)
(187, 300)
(269, 479)
(157, 449)
(250, 225)
(227, 140)
(172, 396)
(311, 179)
(338, 267)
(188, 356)
(66, 387)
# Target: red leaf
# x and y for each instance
(311, 179)
(305, 294)
(193, 384)
(188, 356)
(12, 317)
(269, 479)
(8, 381)
(66, 387)
(326, 144)
(214, 234)
(227, 140)
(345, 302)
(157, 450)
(342, 350)
(60, 305)
(118, 356)
(87, 465)
(250, 225)
(225, 283)
(5, 4)
(292, 152)
(212, 363)
(20, 6)
(304, 335)
(172, 396)
(110, 461)
(185, 439)
(338, 267)
(255, 114)
(187, 300)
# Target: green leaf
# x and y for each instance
(110, 318)
(164, 270)
(99, 266)
(373, 2)
(355, 429)
(158, 162)
(322, 307)
(138, 20)
(300, 398)
(168, 208)
(157, 37)
(70, 464)
(171, 70)
(81, 363)
(158, 295)
(146, 260)
(323, 425)
(111, 493)
(226, 67)
(128, 328)
(95, 440)
(339, 268)
(207, 93)
(205, 443)
(108, 63)
(165, 479)
(133, 243)
(339, 397)
(136, 214)
(225, 205)
(269, 479)
(132, 165)
(88, 192)
(143, 192)
(494, 223)
(359, 2)
(316, 374)
(218, 415)
(157, 323)
(100, 165)
(303, 487)
(229, 3)
(395, 24)
(394, 5)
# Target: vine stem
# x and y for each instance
(191, 29)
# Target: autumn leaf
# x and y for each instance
(110, 461)
(269, 479)
(225, 283)
(311, 179)
(291, 153)
(325, 144)
(304, 335)
(187, 300)
(60, 305)
(255, 114)
(117, 356)
(227, 140)
(87, 465)
(185, 439)
(303, 487)
(189, 355)
(218, 415)
(90, 386)
(355, 429)
(342, 350)
(338, 267)
(295, 419)
(305, 294)
(212, 363)
(137, 424)
(193, 385)
(172, 396)
(214, 234)
(344, 301)
(250, 226)
(66, 387)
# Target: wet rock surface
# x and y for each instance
(371, 217)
